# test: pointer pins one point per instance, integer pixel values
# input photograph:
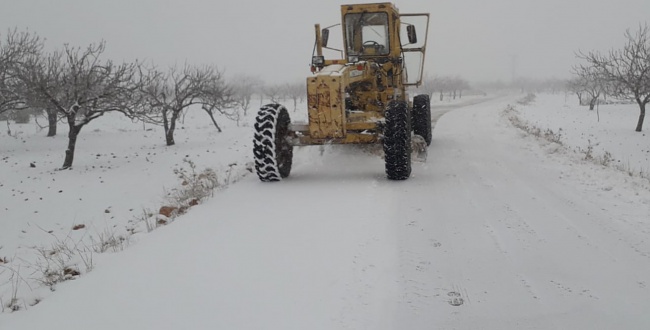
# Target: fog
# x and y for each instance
(476, 39)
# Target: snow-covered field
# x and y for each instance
(122, 170)
(609, 128)
(498, 230)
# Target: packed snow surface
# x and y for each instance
(497, 230)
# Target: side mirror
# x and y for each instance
(325, 35)
(413, 37)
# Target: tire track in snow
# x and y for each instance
(416, 267)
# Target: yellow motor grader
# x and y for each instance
(358, 99)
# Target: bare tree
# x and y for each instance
(429, 85)
(80, 86)
(169, 94)
(52, 119)
(627, 70)
(14, 48)
(454, 85)
(443, 85)
(243, 88)
(460, 86)
(218, 98)
(589, 80)
(296, 92)
(274, 92)
(576, 86)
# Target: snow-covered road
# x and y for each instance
(493, 232)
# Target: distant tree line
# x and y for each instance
(451, 86)
(621, 73)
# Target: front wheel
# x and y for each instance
(397, 141)
(272, 149)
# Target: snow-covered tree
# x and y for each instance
(456, 86)
(243, 88)
(452, 85)
(274, 92)
(296, 92)
(169, 94)
(80, 86)
(575, 85)
(442, 84)
(429, 85)
(218, 97)
(589, 80)
(15, 46)
(627, 70)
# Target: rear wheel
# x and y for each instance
(422, 117)
(397, 141)
(272, 149)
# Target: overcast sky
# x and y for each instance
(476, 39)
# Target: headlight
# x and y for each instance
(353, 59)
(318, 61)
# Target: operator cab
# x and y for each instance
(377, 33)
(367, 34)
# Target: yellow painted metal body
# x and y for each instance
(346, 99)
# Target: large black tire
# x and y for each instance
(422, 117)
(397, 141)
(272, 149)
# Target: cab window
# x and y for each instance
(367, 34)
